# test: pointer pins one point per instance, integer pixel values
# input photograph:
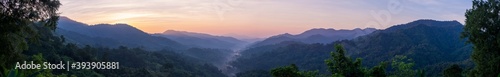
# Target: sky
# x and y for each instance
(260, 18)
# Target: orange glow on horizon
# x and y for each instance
(254, 18)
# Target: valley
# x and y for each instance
(420, 40)
(249, 38)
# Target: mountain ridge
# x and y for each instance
(202, 40)
(116, 35)
(316, 35)
(431, 47)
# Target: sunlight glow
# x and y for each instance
(122, 16)
(120, 22)
(256, 18)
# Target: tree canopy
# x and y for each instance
(340, 64)
(482, 29)
(453, 71)
(19, 19)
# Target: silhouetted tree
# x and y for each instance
(453, 71)
(287, 71)
(482, 29)
(18, 18)
(292, 71)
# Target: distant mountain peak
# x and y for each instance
(111, 35)
(168, 31)
(193, 34)
(117, 24)
(322, 29)
(66, 21)
(435, 21)
(63, 18)
(201, 39)
(357, 29)
(316, 35)
(427, 22)
(284, 34)
(186, 33)
(177, 32)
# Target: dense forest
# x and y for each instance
(134, 61)
(437, 41)
(42, 45)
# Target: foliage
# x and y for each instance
(433, 45)
(379, 70)
(292, 71)
(133, 61)
(287, 71)
(340, 64)
(254, 73)
(403, 67)
(18, 18)
(482, 29)
(453, 71)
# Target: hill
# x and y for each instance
(319, 35)
(201, 40)
(431, 44)
(111, 35)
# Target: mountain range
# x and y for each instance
(318, 35)
(114, 35)
(201, 40)
(210, 49)
(432, 45)
(111, 35)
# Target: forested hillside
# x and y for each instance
(431, 44)
(32, 33)
(201, 40)
(133, 61)
(112, 36)
(317, 35)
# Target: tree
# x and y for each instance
(482, 29)
(18, 20)
(292, 71)
(254, 73)
(402, 66)
(453, 71)
(379, 70)
(287, 71)
(340, 64)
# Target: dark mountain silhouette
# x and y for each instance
(433, 45)
(319, 35)
(428, 22)
(201, 40)
(111, 35)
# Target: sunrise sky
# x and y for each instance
(260, 18)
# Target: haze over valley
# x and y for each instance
(232, 56)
